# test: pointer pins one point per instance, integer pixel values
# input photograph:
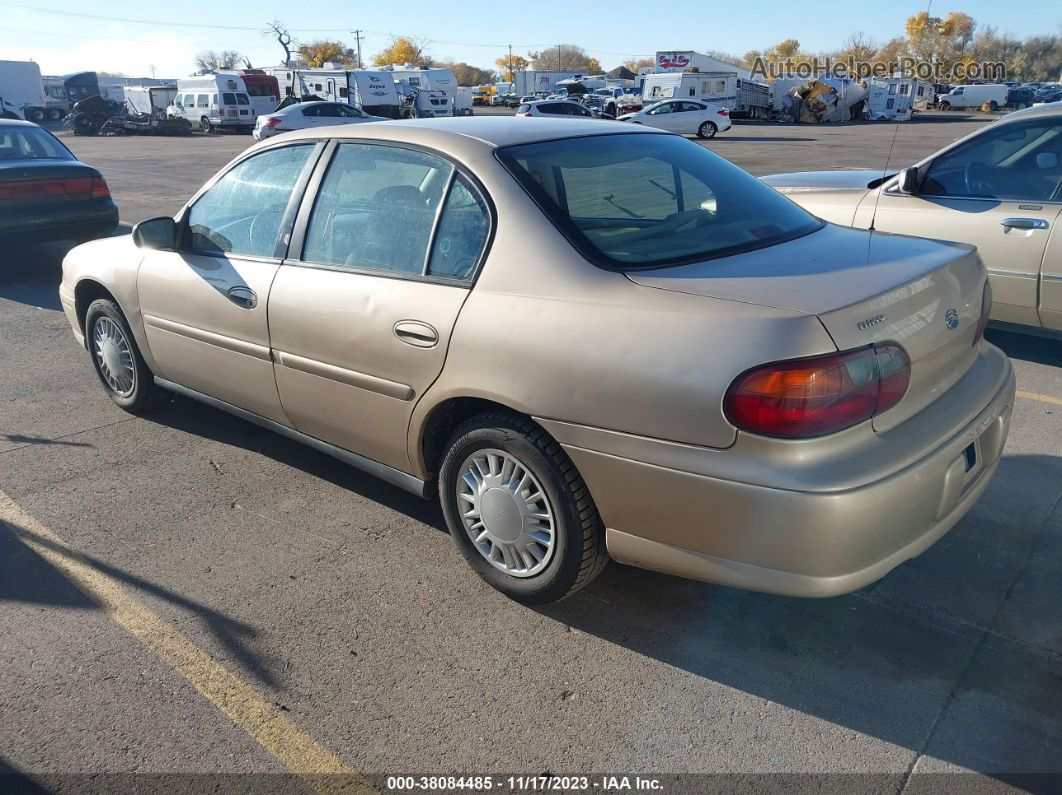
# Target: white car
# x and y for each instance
(686, 116)
(308, 115)
(556, 107)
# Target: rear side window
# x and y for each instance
(242, 212)
(462, 233)
(376, 209)
(202, 101)
(30, 143)
(647, 200)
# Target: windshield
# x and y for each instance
(651, 200)
(30, 143)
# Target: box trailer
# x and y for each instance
(21, 91)
(373, 91)
(739, 95)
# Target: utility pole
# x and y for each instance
(357, 38)
(512, 76)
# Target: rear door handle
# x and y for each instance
(413, 332)
(1024, 223)
(243, 297)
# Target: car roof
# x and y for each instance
(492, 131)
(553, 101)
(1047, 109)
(17, 123)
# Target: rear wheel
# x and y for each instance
(118, 363)
(35, 115)
(993, 106)
(54, 114)
(518, 509)
(205, 125)
(707, 130)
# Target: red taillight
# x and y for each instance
(272, 121)
(723, 112)
(46, 188)
(100, 189)
(986, 312)
(812, 397)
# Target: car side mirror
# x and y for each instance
(156, 233)
(908, 181)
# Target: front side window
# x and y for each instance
(242, 212)
(1016, 161)
(649, 200)
(376, 208)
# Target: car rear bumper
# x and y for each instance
(78, 221)
(817, 541)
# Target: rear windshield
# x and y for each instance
(228, 99)
(30, 143)
(634, 201)
(242, 99)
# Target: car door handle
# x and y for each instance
(243, 297)
(1024, 223)
(413, 332)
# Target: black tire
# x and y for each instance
(35, 115)
(579, 554)
(993, 106)
(945, 106)
(707, 130)
(144, 392)
(206, 126)
(54, 114)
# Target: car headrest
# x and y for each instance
(399, 196)
(1046, 160)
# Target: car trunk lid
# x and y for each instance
(28, 182)
(865, 288)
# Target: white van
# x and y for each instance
(974, 97)
(214, 102)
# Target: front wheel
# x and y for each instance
(518, 509)
(707, 130)
(945, 106)
(205, 125)
(118, 363)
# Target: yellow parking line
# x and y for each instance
(1041, 398)
(296, 749)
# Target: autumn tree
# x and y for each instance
(562, 58)
(857, 48)
(466, 74)
(939, 40)
(634, 64)
(510, 64)
(214, 61)
(403, 50)
(318, 53)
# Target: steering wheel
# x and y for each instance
(264, 228)
(671, 223)
(978, 177)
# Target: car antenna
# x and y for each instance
(884, 174)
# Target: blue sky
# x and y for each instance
(475, 31)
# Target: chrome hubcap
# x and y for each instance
(114, 357)
(505, 513)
